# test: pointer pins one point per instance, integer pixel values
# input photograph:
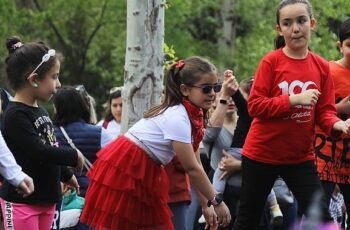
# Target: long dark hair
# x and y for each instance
(344, 31)
(70, 106)
(279, 40)
(189, 74)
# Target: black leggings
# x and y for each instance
(258, 179)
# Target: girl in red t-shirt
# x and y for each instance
(291, 92)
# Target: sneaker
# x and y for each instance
(276, 216)
(201, 220)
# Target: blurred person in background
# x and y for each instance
(113, 113)
(72, 113)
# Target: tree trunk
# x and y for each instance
(226, 45)
(143, 76)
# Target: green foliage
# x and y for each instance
(190, 27)
(170, 57)
(90, 34)
(255, 29)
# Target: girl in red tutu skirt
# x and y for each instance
(129, 187)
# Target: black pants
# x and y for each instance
(257, 181)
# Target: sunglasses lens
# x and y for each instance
(206, 89)
(217, 88)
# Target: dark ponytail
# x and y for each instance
(172, 94)
(279, 42)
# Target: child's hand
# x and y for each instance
(210, 218)
(80, 163)
(224, 216)
(308, 97)
(230, 85)
(26, 187)
(343, 106)
(343, 126)
(65, 188)
(73, 183)
(228, 164)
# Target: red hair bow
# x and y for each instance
(180, 64)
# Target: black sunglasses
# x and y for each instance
(207, 88)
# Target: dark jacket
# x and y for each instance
(87, 138)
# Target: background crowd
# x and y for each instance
(269, 152)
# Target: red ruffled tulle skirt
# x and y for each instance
(127, 191)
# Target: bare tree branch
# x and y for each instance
(52, 25)
(92, 35)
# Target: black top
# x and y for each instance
(243, 123)
(28, 132)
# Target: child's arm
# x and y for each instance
(325, 111)
(12, 172)
(343, 106)
(199, 179)
(229, 87)
(9, 169)
(241, 104)
(261, 102)
(342, 126)
(21, 133)
(208, 212)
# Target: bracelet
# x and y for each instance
(218, 198)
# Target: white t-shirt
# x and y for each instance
(106, 137)
(158, 132)
(113, 128)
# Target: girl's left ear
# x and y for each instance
(32, 80)
(185, 91)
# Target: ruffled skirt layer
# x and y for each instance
(127, 191)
